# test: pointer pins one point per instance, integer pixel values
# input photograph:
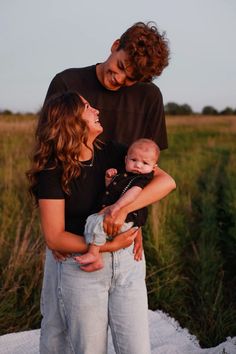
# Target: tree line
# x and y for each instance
(173, 108)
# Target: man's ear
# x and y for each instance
(115, 45)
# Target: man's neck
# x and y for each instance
(99, 68)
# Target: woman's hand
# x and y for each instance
(123, 240)
(60, 256)
(113, 219)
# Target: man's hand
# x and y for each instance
(123, 240)
(138, 246)
(113, 220)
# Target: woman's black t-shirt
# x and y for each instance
(86, 190)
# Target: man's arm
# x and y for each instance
(126, 199)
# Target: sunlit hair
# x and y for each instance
(146, 145)
(59, 136)
(147, 49)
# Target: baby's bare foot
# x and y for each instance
(87, 258)
(92, 267)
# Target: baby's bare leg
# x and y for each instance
(91, 256)
(90, 261)
(92, 267)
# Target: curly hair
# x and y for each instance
(59, 136)
(147, 49)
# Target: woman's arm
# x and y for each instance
(52, 215)
(161, 185)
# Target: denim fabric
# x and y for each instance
(86, 303)
(54, 335)
(94, 232)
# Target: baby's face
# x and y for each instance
(139, 160)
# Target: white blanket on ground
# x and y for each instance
(167, 337)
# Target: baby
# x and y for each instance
(122, 189)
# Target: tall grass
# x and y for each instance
(20, 242)
(190, 238)
(191, 271)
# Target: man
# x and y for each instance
(131, 107)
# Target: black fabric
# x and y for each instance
(86, 190)
(127, 114)
(119, 185)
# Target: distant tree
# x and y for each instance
(185, 109)
(209, 110)
(227, 111)
(6, 112)
(172, 108)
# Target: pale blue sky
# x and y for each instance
(40, 38)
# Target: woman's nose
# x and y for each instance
(95, 110)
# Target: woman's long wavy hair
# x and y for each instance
(59, 136)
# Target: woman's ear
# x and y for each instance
(115, 45)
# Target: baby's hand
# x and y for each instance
(110, 173)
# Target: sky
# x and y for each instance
(41, 38)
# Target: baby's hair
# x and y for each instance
(146, 144)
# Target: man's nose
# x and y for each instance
(120, 78)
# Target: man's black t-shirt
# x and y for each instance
(127, 114)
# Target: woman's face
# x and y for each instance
(91, 116)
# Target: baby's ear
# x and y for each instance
(155, 166)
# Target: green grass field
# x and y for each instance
(190, 240)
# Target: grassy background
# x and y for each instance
(190, 240)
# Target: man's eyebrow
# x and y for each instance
(122, 66)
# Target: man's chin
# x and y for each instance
(112, 88)
(109, 86)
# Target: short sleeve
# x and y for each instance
(57, 85)
(156, 124)
(49, 184)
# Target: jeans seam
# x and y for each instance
(114, 337)
(63, 309)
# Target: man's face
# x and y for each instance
(116, 72)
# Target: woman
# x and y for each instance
(67, 178)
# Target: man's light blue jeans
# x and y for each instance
(82, 305)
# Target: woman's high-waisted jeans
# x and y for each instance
(81, 305)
